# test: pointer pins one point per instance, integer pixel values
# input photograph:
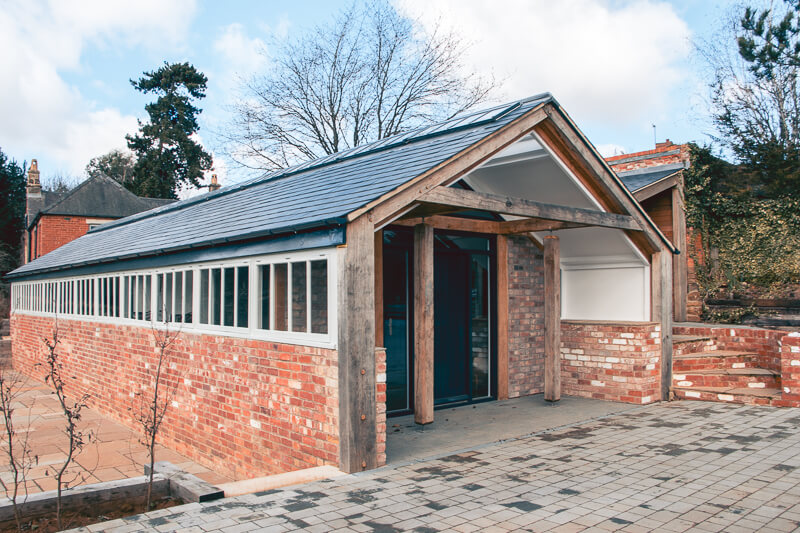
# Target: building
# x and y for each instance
(53, 219)
(491, 256)
(655, 177)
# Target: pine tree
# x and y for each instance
(167, 157)
(12, 211)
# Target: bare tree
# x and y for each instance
(19, 457)
(77, 438)
(369, 74)
(153, 407)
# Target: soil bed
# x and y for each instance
(90, 515)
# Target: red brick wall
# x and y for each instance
(243, 407)
(53, 231)
(606, 361)
(525, 318)
(764, 342)
(380, 401)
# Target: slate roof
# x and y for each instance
(641, 178)
(316, 194)
(103, 197)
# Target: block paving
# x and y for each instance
(680, 466)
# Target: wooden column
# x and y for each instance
(552, 319)
(680, 267)
(661, 301)
(423, 324)
(502, 317)
(356, 345)
(379, 289)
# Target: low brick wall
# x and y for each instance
(243, 407)
(611, 361)
(790, 371)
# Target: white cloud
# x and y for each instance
(610, 150)
(41, 41)
(603, 60)
(242, 55)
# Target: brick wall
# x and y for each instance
(790, 371)
(665, 153)
(380, 401)
(53, 231)
(764, 342)
(611, 361)
(243, 407)
(525, 318)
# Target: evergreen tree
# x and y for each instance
(166, 155)
(12, 211)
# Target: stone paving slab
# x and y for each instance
(680, 466)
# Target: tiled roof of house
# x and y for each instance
(641, 178)
(316, 194)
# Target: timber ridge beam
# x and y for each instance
(527, 208)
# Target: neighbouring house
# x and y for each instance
(490, 256)
(655, 177)
(52, 219)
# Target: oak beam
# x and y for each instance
(552, 318)
(452, 223)
(356, 349)
(528, 208)
(423, 324)
(528, 225)
(502, 317)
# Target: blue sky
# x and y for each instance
(616, 66)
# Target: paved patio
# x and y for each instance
(115, 454)
(681, 466)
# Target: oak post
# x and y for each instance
(356, 346)
(680, 266)
(502, 317)
(423, 324)
(661, 299)
(379, 289)
(552, 319)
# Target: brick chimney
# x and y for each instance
(214, 185)
(34, 185)
(665, 144)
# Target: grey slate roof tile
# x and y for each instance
(315, 194)
(639, 179)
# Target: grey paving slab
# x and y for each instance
(643, 469)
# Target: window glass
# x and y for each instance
(299, 297)
(263, 307)
(229, 297)
(187, 306)
(179, 296)
(160, 297)
(168, 298)
(319, 296)
(216, 296)
(279, 307)
(204, 292)
(242, 295)
(147, 297)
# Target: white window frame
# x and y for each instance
(81, 298)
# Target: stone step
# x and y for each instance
(750, 378)
(728, 395)
(713, 360)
